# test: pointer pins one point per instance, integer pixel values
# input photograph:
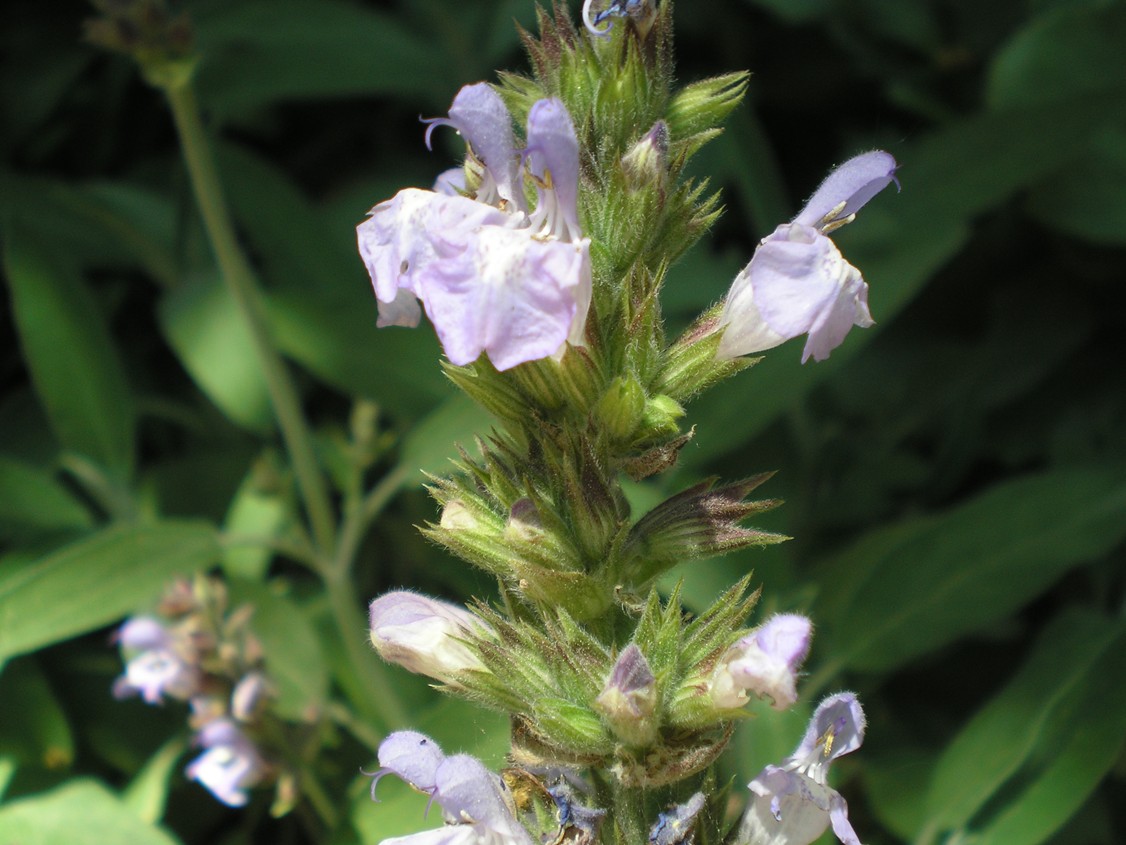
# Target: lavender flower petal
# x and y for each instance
(230, 765)
(479, 114)
(853, 184)
(553, 158)
(505, 292)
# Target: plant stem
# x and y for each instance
(239, 278)
(359, 518)
(377, 696)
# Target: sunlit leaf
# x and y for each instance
(95, 581)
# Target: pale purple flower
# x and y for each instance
(155, 663)
(677, 826)
(792, 804)
(764, 663)
(504, 292)
(481, 118)
(797, 282)
(475, 803)
(230, 765)
(491, 277)
(424, 635)
(614, 8)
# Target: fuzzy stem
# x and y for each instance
(239, 279)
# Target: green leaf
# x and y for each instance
(31, 500)
(147, 793)
(209, 335)
(1067, 53)
(294, 661)
(1088, 199)
(907, 589)
(320, 301)
(1044, 742)
(95, 581)
(254, 513)
(261, 51)
(69, 352)
(33, 727)
(82, 812)
(432, 443)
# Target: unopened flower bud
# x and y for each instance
(249, 696)
(661, 417)
(524, 521)
(424, 635)
(764, 663)
(456, 516)
(621, 407)
(628, 701)
(703, 105)
(646, 162)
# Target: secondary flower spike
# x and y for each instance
(792, 804)
(797, 282)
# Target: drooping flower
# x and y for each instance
(797, 282)
(792, 804)
(475, 803)
(424, 635)
(157, 664)
(491, 277)
(230, 765)
(764, 663)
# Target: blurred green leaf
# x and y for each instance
(432, 444)
(257, 52)
(147, 793)
(294, 661)
(209, 335)
(1043, 742)
(1069, 52)
(906, 589)
(31, 500)
(95, 581)
(69, 352)
(33, 727)
(254, 513)
(1088, 199)
(82, 812)
(319, 298)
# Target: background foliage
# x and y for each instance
(954, 476)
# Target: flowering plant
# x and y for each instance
(229, 605)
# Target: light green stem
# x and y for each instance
(358, 518)
(375, 697)
(239, 279)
